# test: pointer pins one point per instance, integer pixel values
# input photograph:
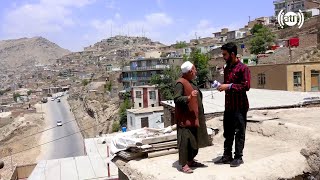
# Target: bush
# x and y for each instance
(16, 96)
(115, 126)
(85, 82)
(123, 111)
(29, 92)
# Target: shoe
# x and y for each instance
(236, 162)
(186, 169)
(224, 160)
(196, 164)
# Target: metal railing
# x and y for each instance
(153, 67)
(136, 78)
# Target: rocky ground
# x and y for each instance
(104, 105)
(286, 147)
(16, 139)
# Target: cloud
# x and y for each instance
(117, 16)
(205, 29)
(68, 3)
(159, 19)
(111, 4)
(46, 16)
(151, 25)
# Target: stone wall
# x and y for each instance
(167, 115)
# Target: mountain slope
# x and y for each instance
(36, 50)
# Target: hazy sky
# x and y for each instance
(74, 24)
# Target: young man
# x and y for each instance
(189, 115)
(236, 83)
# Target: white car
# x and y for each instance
(52, 99)
(59, 123)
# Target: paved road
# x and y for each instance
(70, 146)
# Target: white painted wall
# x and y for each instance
(314, 12)
(137, 100)
(140, 100)
(134, 120)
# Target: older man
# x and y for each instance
(189, 115)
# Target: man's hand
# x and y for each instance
(223, 87)
(194, 93)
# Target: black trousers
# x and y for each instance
(234, 126)
(187, 144)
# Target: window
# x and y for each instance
(162, 120)
(144, 122)
(297, 79)
(152, 95)
(138, 94)
(261, 79)
(131, 121)
(140, 105)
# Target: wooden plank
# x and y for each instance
(159, 149)
(162, 153)
(170, 143)
(162, 138)
(130, 155)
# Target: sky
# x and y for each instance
(75, 24)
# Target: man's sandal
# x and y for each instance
(186, 169)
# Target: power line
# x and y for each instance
(55, 139)
(64, 137)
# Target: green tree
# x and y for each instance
(200, 61)
(261, 40)
(115, 126)
(185, 57)
(166, 82)
(307, 15)
(256, 28)
(123, 111)
(108, 86)
(180, 44)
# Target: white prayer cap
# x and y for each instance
(186, 67)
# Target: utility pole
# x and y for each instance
(304, 78)
(111, 30)
(290, 51)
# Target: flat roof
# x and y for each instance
(92, 166)
(144, 86)
(213, 101)
(145, 110)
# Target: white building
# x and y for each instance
(151, 117)
(145, 96)
(314, 11)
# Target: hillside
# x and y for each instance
(36, 50)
